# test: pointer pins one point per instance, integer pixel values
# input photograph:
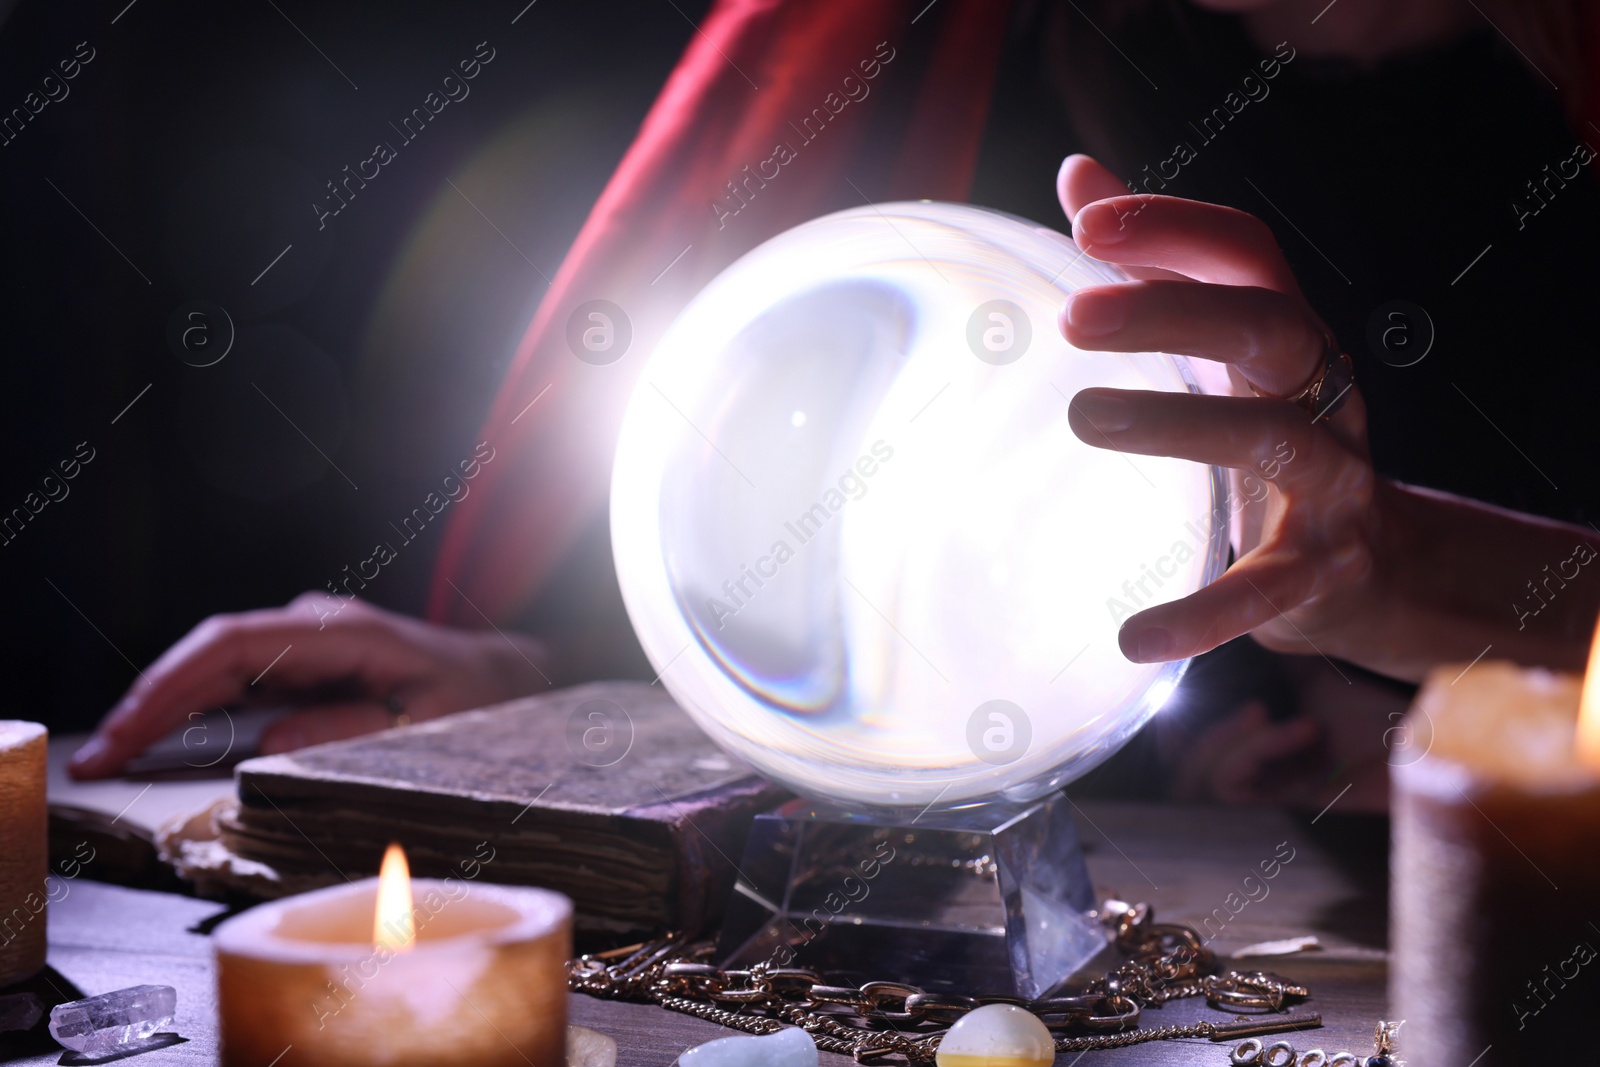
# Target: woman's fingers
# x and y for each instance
(1080, 182)
(423, 698)
(325, 722)
(218, 661)
(1257, 590)
(1206, 242)
(1315, 543)
(1273, 438)
(1270, 337)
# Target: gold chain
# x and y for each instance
(878, 1021)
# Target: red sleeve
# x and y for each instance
(757, 129)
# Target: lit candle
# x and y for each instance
(24, 849)
(393, 972)
(1496, 866)
(1588, 733)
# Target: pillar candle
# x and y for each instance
(307, 981)
(1496, 871)
(24, 849)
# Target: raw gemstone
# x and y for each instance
(590, 1048)
(20, 1011)
(997, 1035)
(789, 1047)
(112, 1021)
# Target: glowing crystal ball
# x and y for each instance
(856, 535)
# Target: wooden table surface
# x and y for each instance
(1184, 861)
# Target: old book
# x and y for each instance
(606, 792)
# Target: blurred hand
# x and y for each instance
(1246, 758)
(1212, 283)
(1338, 747)
(351, 666)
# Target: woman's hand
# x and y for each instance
(1331, 559)
(353, 668)
(1213, 284)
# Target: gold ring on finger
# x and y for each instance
(1330, 383)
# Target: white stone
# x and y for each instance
(789, 1047)
(590, 1048)
(997, 1035)
(1285, 947)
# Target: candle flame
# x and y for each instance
(392, 924)
(1588, 740)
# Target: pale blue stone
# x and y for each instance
(789, 1047)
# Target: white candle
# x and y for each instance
(326, 978)
(24, 849)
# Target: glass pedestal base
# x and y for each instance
(993, 899)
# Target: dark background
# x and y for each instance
(196, 141)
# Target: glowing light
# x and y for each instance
(838, 606)
(1588, 741)
(392, 925)
(1161, 692)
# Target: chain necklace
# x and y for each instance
(878, 1021)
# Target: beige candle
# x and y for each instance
(24, 849)
(447, 972)
(1496, 870)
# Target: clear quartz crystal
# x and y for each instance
(111, 1021)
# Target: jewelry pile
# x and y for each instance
(1253, 1053)
(876, 1021)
